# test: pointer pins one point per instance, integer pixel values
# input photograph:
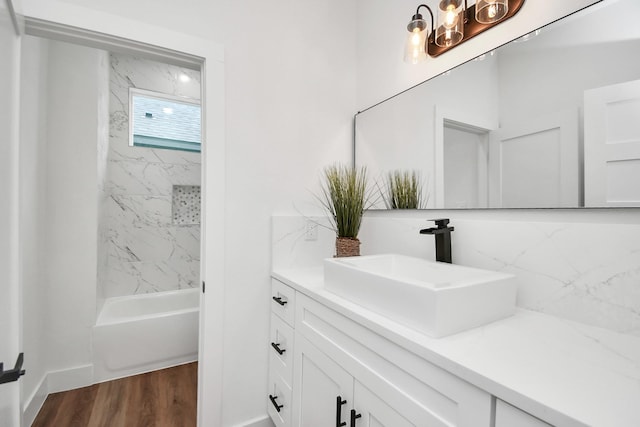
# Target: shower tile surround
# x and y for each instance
(145, 250)
(584, 272)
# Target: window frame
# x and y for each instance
(133, 91)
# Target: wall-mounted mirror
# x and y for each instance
(550, 120)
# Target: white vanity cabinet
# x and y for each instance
(510, 416)
(344, 374)
(281, 345)
(382, 383)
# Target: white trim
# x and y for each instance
(469, 120)
(54, 382)
(65, 33)
(32, 405)
(69, 379)
(18, 24)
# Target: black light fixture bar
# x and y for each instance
(471, 28)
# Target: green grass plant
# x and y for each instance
(403, 190)
(345, 197)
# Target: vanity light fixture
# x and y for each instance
(415, 47)
(457, 23)
(451, 20)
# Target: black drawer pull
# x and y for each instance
(279, 300)
(277, 348)
(339, 403)
(273, 400)
(354, 417)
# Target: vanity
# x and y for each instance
(334, 362)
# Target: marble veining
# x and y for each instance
(142, 249)
(589, 273)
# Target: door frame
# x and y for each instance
(466, 119)
(68, 23)
(10, 290)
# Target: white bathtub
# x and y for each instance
(142, 333)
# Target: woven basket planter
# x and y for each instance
(347, 246)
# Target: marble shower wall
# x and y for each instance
(145, 250)
(583, 271)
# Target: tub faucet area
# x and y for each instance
(442, 233)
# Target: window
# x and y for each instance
(158, 120)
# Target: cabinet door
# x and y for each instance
(374, 411)
(510, 416)
(388, 407)
(318, 382)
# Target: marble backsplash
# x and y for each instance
(146, 251)
(585, 272)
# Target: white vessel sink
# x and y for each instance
(435, 298)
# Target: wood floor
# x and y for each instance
(165, 398)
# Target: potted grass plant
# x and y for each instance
(403, 190)
(345, 197)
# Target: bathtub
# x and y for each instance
(142, 333)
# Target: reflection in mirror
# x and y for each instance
(547, 121)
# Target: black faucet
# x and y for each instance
(443, 239)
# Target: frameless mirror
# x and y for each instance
(550, 120)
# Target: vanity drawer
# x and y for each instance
(279, 401)
(283, 301)
(281, 349)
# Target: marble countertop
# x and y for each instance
(564, 372)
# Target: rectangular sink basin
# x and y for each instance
(434, 298)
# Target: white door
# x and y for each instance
(612, 145)
(9, 290)
(321, 388)
(536, 164)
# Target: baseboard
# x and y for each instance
(264, 421)
(53, 382)
(68, 379)
(34, 403)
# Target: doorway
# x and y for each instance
(203, 53)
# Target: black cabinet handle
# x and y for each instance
(354, 417)
(279, 300)
(14, 374)
(273, 400)
(277, 348)
(339, 403)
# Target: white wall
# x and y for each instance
(10, 326)
(33, 170)
(290, 98)
(60, 129)
(71, 201)
(565, 73)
